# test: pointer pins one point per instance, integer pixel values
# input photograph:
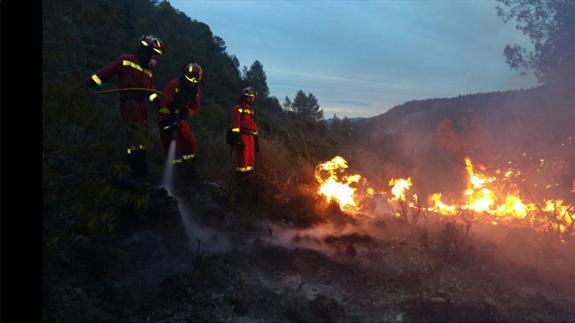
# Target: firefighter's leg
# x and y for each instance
(137, 148)
(134, 116)
(139, 165)
(243, 167)
(189, 146)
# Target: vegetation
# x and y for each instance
(550, 25)
(92, 274)
(83, 136)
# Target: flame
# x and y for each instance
(476, 180)
(399, 187)
(514, 206)
(336, 187)
(481, 198)
(563, 214)
(494, 199)
(440, 207)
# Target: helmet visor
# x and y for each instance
(192, 79)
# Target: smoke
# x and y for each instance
(340, 241)
(210, 241)
(428, 140)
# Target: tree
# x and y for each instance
(304, 106)
(287, 105)
(256, 77)
(335, 124)
(550, 25)
(346, 127)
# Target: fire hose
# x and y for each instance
(172, 128)
(126, 90)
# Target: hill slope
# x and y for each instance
(428, 139)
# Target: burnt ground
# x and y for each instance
(239, 268)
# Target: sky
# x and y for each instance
(361, 58)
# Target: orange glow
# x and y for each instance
(440, 207)
(399, 187)
(336, 186)
(562, 213)
(514, 206)
(496, 200)
(480, 197)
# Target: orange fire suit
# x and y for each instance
(131, 74)
(180, 103)
(244, 123)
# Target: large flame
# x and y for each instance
(494, 198)
(335, 185)
(480, 197)
(398, 188)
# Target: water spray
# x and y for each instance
(168, 176)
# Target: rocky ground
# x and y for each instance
(196, 259)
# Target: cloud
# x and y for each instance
(362, 55)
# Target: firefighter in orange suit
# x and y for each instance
(181, 100)
(134, 71)
(244, 133)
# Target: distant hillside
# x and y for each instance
(429, 138)
(354, 121)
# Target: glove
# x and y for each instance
(170, 125)
(256, 143)
(238, 142)
(155, 99)
(233, 138)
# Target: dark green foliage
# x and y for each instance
(80, 163)
(256, 77)
(305, 107)
(550, 25)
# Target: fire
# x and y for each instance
(440, 207)
(515, 206)
(481, 198)
(336, 187)
(479, 201)
(495, 199)
(562, 214)
(476, 180)
(399, 187)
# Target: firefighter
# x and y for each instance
(181, 100)
(134, 71)
(243, 135)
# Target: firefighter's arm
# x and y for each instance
(256, 138)
(154, 97)
(166, 119)
(236, 138)
(194, 107)
(236, 118)
(166, 101)
(105, 73)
